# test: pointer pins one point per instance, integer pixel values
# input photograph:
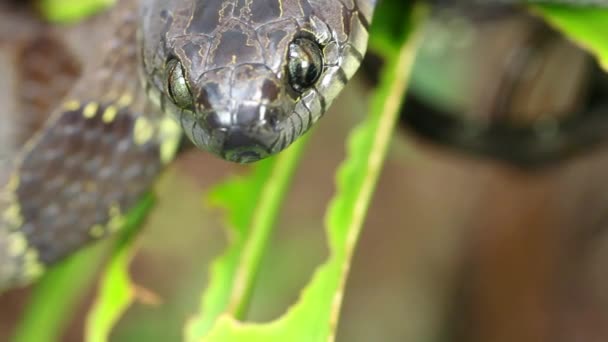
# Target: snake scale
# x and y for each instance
(242, 79)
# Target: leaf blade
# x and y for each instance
(69, 11)
(586, 26)
(233, 273)
(314, 316)
(116, 291)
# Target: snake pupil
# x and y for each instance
(177, 86)
(305, 64)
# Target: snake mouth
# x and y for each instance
(245, 156)
(243, 135)
(240, 147)
(229, 141)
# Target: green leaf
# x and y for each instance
(252, 204)
(586, 26)
(314, 316)
(385, 34)
(116, 292)
(67, 11)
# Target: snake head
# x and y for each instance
(246, 79)
(235, 112)
(246, 111)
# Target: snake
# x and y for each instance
(241, 79)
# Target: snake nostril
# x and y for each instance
(270, 90)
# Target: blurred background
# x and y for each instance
(487, 224)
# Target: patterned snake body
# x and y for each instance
(242, 78)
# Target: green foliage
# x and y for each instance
(252, 203)
(394, 27)
(586, 26)
(314, 316)
(116, 292)
(66, 11)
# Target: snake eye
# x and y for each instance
(177, 86)
(305, 63)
